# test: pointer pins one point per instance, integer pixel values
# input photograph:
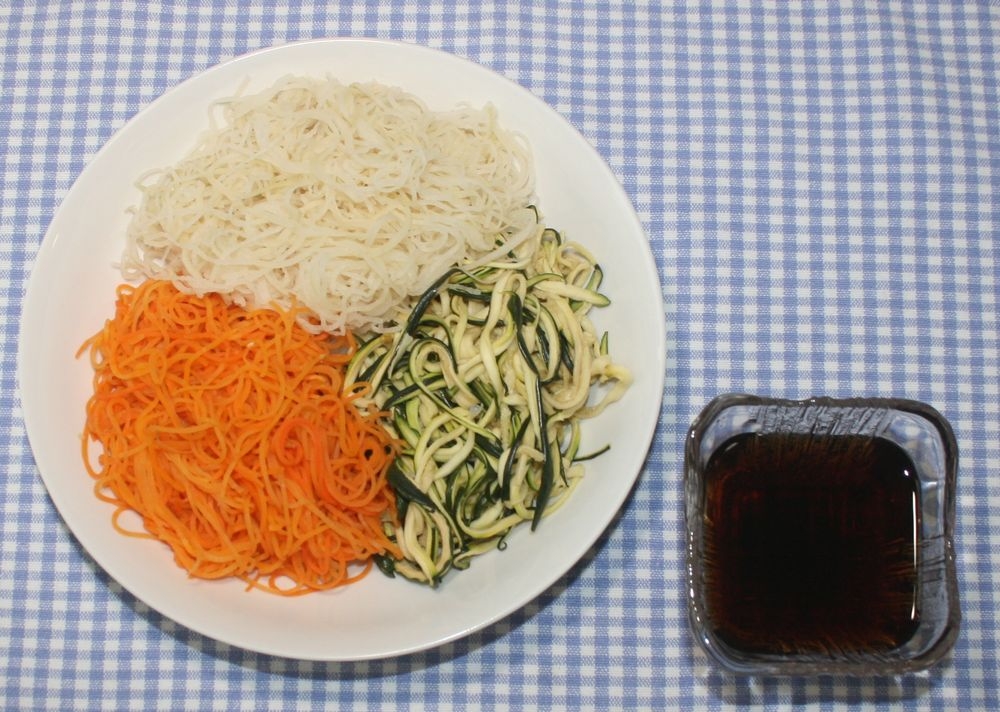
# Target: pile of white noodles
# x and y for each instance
(347, 199)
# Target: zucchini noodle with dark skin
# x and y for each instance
(486, 385)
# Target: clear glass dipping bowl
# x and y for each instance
(919, 431)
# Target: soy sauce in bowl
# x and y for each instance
(811, 543)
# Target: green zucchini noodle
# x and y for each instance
(486, 386)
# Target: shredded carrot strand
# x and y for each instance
(229, 432)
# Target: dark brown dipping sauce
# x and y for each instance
(810, 544)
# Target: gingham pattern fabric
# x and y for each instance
(821, 190)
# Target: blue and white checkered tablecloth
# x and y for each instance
(821, 191)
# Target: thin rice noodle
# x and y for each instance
(347, 199)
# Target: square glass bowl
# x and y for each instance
(820, 535)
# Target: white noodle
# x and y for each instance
(347, 199)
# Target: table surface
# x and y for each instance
(821, 191)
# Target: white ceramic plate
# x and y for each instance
(71, 293)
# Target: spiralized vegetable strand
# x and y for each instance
(229, 432)
(488, 384)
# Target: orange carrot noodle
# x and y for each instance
(230, 433)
